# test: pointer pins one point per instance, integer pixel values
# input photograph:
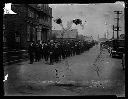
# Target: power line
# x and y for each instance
(117, 28)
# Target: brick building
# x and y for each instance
(31, 23)
(45, 22)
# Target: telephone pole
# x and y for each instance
(117, 27)
(107, 34)
(104, 35)
(98, 37)
(113, 32)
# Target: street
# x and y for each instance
(91, 73)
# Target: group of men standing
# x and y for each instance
(55, 50)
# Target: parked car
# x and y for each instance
(109, 45)
(117, 48)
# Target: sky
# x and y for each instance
(99, 17)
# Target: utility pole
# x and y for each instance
(107, 34)
(113, 32)
(98, 37)
(117, 27)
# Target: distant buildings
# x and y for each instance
(88, 38)
(85, 38)
(65, 34)
(81, 37)
(71, 34)
(102, 39)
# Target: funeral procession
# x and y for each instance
(64, 49)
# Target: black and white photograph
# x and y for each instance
(66, 49)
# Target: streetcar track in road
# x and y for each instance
(66, 66)
(97, 64)
(60, 73)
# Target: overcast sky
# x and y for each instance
(96, 15)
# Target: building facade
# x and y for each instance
(81, 37)
(45, 22)
(31, 23)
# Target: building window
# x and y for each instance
(44, 6)
(44, 18)
(4, 36)
(30, 13)
(17, 35)
(37, 16)
(34, 34)
(28, 33)
(49, 19)
(41, 20)
(40, 6)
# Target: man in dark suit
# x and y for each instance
(52, 52)
(31, 52)
(46, 51)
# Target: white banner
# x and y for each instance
(7, 9)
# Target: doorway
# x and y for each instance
(44, 34)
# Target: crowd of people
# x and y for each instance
(56, 50)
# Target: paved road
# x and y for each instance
(91, 73)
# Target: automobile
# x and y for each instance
(109, 45)
(104, 45)
(117, 48)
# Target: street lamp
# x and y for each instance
(107, 29)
